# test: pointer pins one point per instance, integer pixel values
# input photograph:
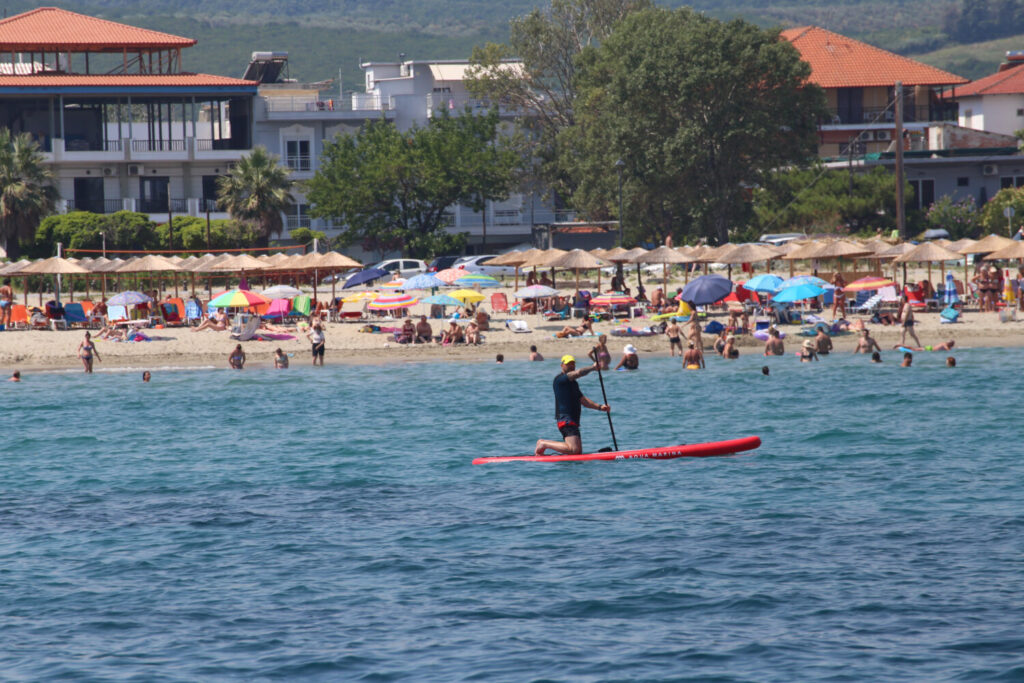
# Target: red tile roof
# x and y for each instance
(55, 29)
(121, 81)
(840, 62)
(1008, 82)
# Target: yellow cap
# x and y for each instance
(566, 359)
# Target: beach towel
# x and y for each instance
(626, 331)
(949, 315)
(713, 327)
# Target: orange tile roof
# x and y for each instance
(129, 81)
(1008, 82)
(840, 62)
(52, 28)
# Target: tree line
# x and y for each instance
(980, 20)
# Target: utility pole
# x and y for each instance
(170, 220)
(901, 209)
(208, 225)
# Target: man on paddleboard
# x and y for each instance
(569, 401)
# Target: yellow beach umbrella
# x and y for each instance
(467, 296)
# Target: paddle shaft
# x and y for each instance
(604, 396)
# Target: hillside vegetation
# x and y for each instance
(325, 37)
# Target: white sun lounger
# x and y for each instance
(518, 326)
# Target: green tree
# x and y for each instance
(392, 189)
(306, 236)
(124, 230)
(700, 112)
(545, 44)
(27, 192)
(992, 218)
(960, 219)
(817, 200)
(257, 191)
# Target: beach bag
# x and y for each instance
(713, 327)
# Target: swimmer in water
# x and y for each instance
(867, 343)
(146, 376)
(908, 358)
(15, 376)
(808, 353)
(693, 358)
(876, 357)
(944, 346)
(950, 362)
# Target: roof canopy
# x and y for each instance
(840, 62)
(1007, 82)
(51, 29)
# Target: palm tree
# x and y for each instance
(257, 191)
(27, 192)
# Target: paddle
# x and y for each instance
(605, 397)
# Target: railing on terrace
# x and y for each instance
(160, 205)
(292, 222)
(158, 145)
(456, 104)
(299, 163)
(943, 111)
(79, 145)
(309, 103)
(96, 205)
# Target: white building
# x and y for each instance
(294, 120)
(995, 103)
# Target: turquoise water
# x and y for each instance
(327, 525)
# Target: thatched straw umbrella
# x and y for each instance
(55, 265)
(151, 263)
(1012, 252)
(578, 260)
(665, 256)
(985, 245)
(333, 261)
(928, 252)
(540, 260)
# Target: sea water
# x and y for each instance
(326, 524)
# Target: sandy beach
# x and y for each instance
(180, 347)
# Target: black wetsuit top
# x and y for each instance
(567, 399)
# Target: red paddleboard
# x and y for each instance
(695, 450)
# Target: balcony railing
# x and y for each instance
(79, 145)
(292, 222)
(96, 205)
(158, 145)
(299, 163)
(940, 111)
(160, 205)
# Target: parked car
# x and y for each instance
(405, 267)
(442, 262)
(472, 264)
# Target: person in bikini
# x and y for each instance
(6, 303)
(730, 351)
(236, 359)
(570, 331)
(218, 323)
(944, 346)
(774, 346)
(569, 401)
(674, 334)
(600, 353)
(693, 359)
(838, 298)
(280, 360)
(809, 352)
(86, 351)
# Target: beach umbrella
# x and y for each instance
(1014, 251)
(359, 296)
(869, 283)
(129, 298)
(765, 282)
(805, 280)
(612, 299)
(749, 253)
(798, 293)
(534, 291)
(515, 259)
(986, 245)
(281, 292)
(54, 265)
(389, 302)
(238, 298)
(424, 281)
(469, 296)
(577, 260)
(666, 256)
(706, 289)
(364, 276)
(398, 283)
(450, 275)
(929, 252)
(441, 300)
(476, 280)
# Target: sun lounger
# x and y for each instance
(193, 313)
(518, 326)
(249, 326)
(74, 314)
(19, 316)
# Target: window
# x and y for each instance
(210, 194)
(296, 155)
(506, 217)
(154, 194)
(297, 216)
(963, 181)
(924, 194)
(1011, 181)
(1020, 112)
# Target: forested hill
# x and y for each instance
(327, 38)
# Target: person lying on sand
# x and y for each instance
(570, 331)
(218, 323)
(944, 346)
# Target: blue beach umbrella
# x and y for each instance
(424, 281)
(798, 293)
(765, 282)
(706, 289)
(804, 280)
(363, 276)
(441, 299)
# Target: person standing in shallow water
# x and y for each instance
(236, 359)
(318, 340)
(86, 351)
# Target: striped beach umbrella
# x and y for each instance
(424, 281)
(388, 302)
(441, 300)
(394, 284)
(359, 296)
(450, 275)
(868, 283)
(238, 297)
(612, 299)
(477, 280)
